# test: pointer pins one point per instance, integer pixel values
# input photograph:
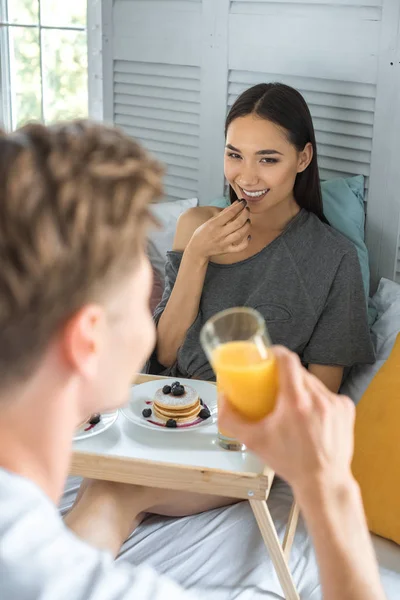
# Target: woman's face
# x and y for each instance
(261, 164)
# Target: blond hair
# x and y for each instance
(73, 213)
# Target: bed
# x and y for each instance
(220, 554)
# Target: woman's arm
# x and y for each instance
(183, 304)
(202, 232)
(331, 376)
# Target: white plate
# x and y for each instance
(107, 419)
(143, 394)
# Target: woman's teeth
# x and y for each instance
(255, 194)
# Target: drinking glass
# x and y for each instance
(237, 345)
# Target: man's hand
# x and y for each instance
(308, 438)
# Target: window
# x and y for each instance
(43, 61)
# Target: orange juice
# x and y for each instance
(249, 381)
(224, 433)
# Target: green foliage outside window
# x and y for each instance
(58, 90)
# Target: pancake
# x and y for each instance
(182, 409)
(177, 417)
(177, 403)
(188, 412)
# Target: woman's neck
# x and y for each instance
(275, 219)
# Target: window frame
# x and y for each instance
(7, 111)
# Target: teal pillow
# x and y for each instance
(343, 201)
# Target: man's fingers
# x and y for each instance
(290, 376)
(252, 435)
(228, 417)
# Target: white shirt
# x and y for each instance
(41, 559)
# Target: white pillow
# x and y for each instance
(384, 331)
(160, 240)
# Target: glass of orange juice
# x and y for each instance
(237, 345)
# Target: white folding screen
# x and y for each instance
(171, 69)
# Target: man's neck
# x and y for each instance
(36, 436)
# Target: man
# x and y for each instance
(74, 327)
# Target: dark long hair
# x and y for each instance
(286, 107)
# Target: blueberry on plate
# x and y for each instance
(178, 390)
(171, 423)
(146, 412)
(201, 401)
(166, 389)
(94, 419)
(204, 413)
(175, 384)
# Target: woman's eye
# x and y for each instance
(233, 155)
(269, 161)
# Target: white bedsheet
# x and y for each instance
(221, 553)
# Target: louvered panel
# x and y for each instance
(159, 104)
(331, 151)
(156, 81)
(171, 4)
(183, 172)
(154, 114)
(174, 193)
(176, 106)
(144, 92)
(167, 155)
(169, 141)
(344, 141)
(343, 116)
(311, 84)
(331, 3)
(314, 8)
(189, 132)
(181, 183)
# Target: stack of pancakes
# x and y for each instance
(182, 409)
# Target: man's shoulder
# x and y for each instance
(55, 563)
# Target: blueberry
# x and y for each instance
(201, 401)
(204, 413)
(146, 412)
(171, 423)
(178, 391)
(166, 389)
(175, 384)
(94, 419)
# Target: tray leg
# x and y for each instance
(290, 529)
(270, 537)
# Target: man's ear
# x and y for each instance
(82, 339)
(305, 157)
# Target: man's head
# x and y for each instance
(74, 280)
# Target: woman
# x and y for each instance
(272, 250)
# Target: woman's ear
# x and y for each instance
(305, 157)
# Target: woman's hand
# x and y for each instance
(225, 233)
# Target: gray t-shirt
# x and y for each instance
(306, 283)
(40, 559)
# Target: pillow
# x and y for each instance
(376, 462)
(160, 240)
(343, 201)
(384, 331)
